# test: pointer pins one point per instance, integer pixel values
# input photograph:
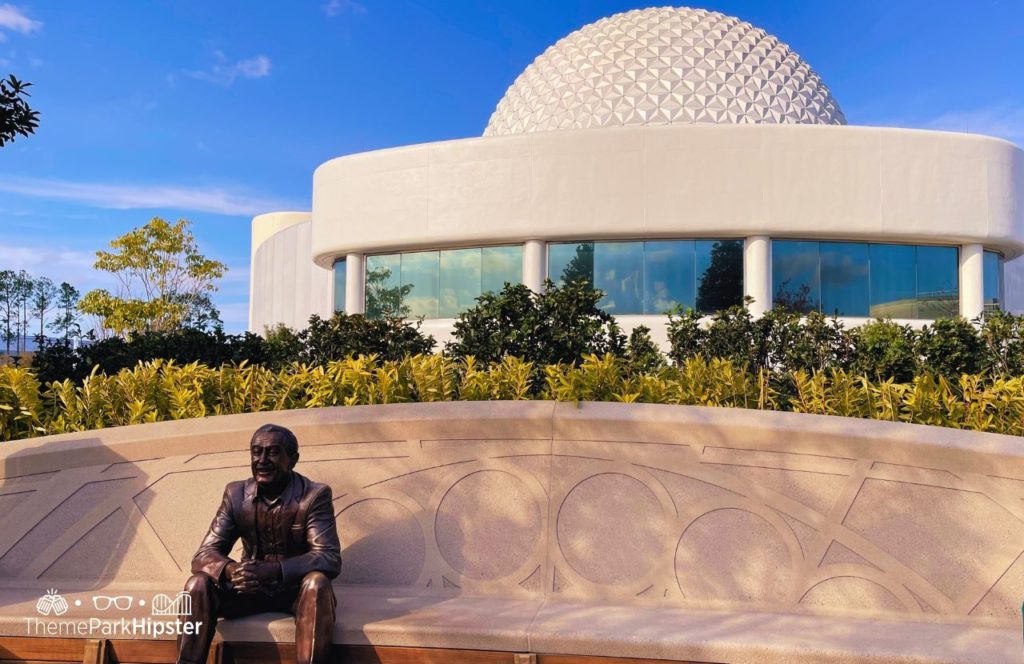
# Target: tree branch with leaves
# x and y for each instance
(16, 116)
(164, 282)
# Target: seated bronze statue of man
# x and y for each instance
(290, 552)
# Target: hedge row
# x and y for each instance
(163, 390)
(561, 324)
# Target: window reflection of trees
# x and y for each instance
(861, 279)
(383, 296)
(581, 267)
(434, 284)
(721, 284)
(653, 277)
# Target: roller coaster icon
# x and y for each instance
(179, 605)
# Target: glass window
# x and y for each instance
(653, 277)
(420, 288)
(339, 285)
(384, 286)
(795, 276)
(993, 281)
(571, 261)
(719, 271)
(844, 278)
(668, 275)
(618, 273)
(860, 279)
(893, 281)
(437, 284)
(938, 293)
(500, 266)
(460, 281)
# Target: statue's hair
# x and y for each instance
(291, 443)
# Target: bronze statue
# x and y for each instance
(290, 552)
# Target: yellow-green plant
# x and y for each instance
(20, 405)
(163, 390)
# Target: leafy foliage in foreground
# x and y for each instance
(324, 340)
(163, 390)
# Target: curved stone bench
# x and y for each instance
(626, 530)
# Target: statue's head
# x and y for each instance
(274, 452)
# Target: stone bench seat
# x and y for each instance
(584, 531)
(379, 617)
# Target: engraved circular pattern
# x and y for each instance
(488, 525)
(664, 66)
(382, 544)
(611, 528)
(850, 592)
(732, 554)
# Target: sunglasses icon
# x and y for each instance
(121, 602)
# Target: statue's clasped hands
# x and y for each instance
(253, 576)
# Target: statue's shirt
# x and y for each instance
(269, 542)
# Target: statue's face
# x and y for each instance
(270, 459)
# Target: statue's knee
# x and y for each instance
(315, 582)
(198, 584)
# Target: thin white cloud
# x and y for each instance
(338, 7)
(234, 314)
(225, 72)
(34, 257)
(128, 196)
(1000, 120)
(15, 20)
(236, 274)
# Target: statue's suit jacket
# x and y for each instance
(306, 526)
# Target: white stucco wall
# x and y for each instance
(286, 286)
(805, 181)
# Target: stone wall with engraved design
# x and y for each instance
(622, 503)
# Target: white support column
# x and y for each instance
(757, 272)
(355, 284)
(972, 280)
(535, 264)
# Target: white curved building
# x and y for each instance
(672, 156)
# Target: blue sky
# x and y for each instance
(215, 111)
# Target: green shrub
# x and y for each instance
(950, 347)
(1002, 336)
(686, 335)
(884, 349)
(348, 335)
(558, 325)
(57, 360)
(642, 354)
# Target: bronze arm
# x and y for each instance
(324, 553)
(212, 556)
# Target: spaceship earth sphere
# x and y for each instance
(666, 65)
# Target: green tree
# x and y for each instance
(164, 282)
(7, 308)
(16, 116)
(67, 318)
(23, 286)
(44, 298)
